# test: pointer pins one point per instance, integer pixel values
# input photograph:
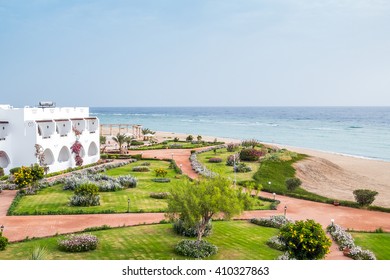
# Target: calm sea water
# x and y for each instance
(358, 131)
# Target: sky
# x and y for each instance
(195, 53)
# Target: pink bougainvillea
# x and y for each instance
(76, 149)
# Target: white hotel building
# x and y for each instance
(50, 127)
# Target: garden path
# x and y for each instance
(19, 227)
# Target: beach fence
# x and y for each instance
(112, 129)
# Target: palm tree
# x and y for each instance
(120, 139)
(128, 140)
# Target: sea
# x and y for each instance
(356, 131)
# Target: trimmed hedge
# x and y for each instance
(78, 243)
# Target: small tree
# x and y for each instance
(147, 131)
(120, 139)
(199, 138)
(128, 141)
(364, 197)
(293, 183)
(23, 177)
(197, 203)
(305, 240)
(176, 139)
(103, 140)
(189, 138)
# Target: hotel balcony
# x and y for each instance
(92, 125)
(46, 128)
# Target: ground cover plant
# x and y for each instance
(236, 240)
(54, 200)
(378, 243)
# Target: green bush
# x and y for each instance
(242, 168)
(104, 156)
(189, 138)
(136, 143)
(305, 240)
(1, 172)
(180, 228)
(275, 243)
(161, 180)
(293, 183)
(14, 170)
(85, 195)
(215, 160)
(37, 172)
(78, 243)
(364, 197)
(141, 169)
(160, 172)
(176, 139)
(145, 163)
(195, 249)
(250, 154)
(23, 177)
(160, 195)
(3, 242)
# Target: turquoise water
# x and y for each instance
(358, 131)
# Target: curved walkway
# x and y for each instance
(20, 227)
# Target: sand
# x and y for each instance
(324, 173)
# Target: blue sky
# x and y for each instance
(195, 53)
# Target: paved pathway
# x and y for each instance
(19, 227)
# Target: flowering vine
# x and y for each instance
(76, 149)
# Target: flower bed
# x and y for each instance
(347, 244)
(78, 243)
(273, 221)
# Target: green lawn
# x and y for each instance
(183, 145)
(235, 240)
(54, 200)
(379, 243)
(224, 170)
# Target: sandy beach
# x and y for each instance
(325, 173)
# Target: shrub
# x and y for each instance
(231, 147)
(358, 253)
(273, 221)
(136, 143)
(109, 186)
(215, 160)
(127, 181)
(232, 159)
(160, 195)
(104, 156)
(293, 183)
(251, 143)
(342, 238)
(23, 177)
(195, 249)
(364, 197)
(189, 138)
(141, 169)
(275, 243)
(175, 146)
(145, 163)
(305, 240)
(160, 172)
(37, 172)
(39, 253)
(3, 242)
(14, 170)
(85, 195)
(242, 168)
(250, 154)
(161, 180)
(1, 172)
(180, 228)
(78, 243)
(176, 139)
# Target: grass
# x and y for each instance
(379, 243)
(224, 170)
(183, 144)
(235, 240)
(54, 200)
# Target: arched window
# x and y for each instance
(4, 159)
(64, 154)
(92, 150)
(49, 158)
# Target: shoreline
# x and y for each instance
(330, 174)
